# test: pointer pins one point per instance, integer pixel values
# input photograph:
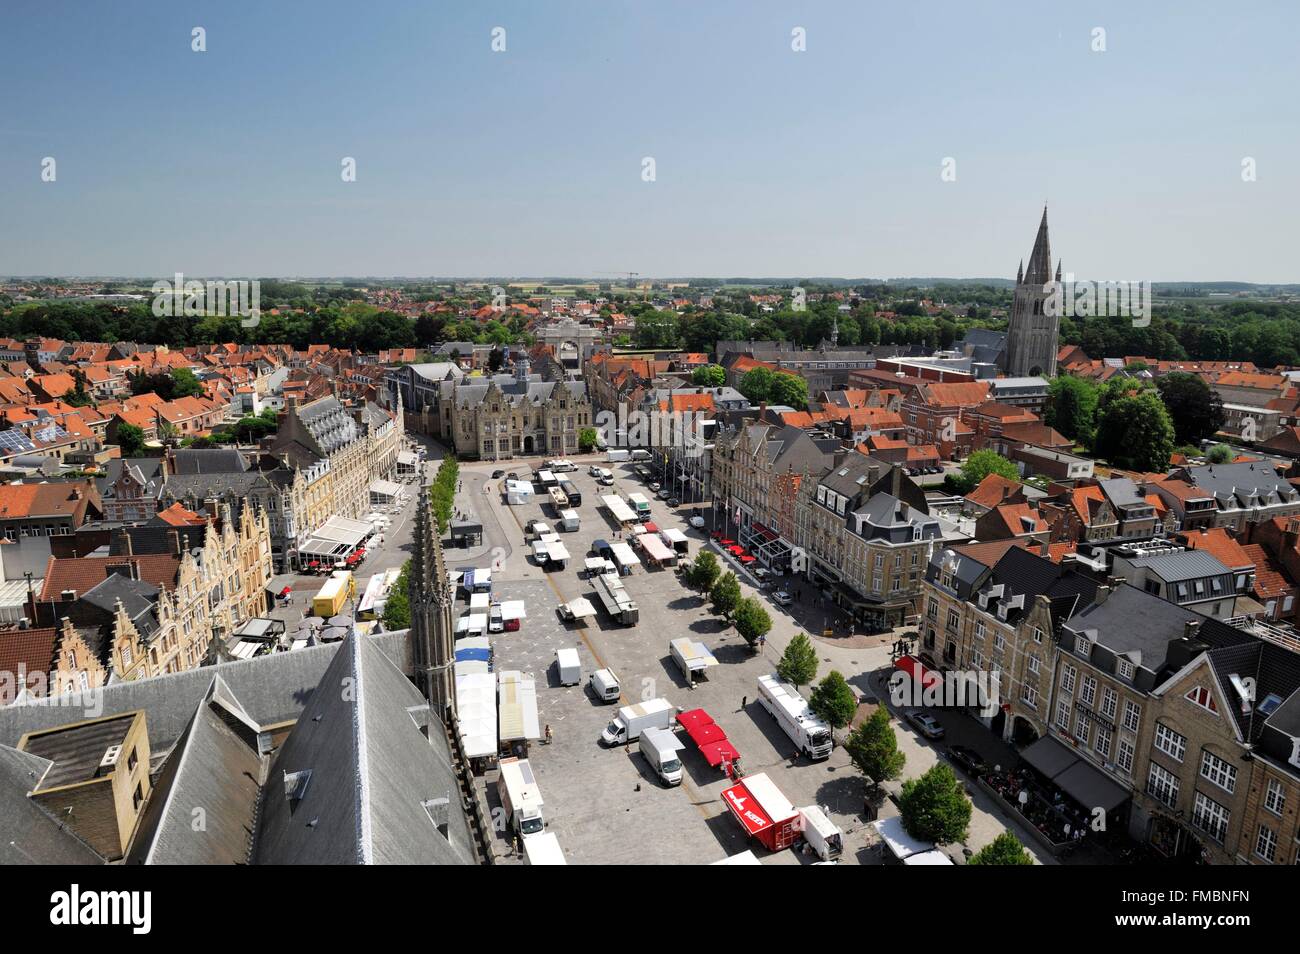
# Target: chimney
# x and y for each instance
(176, 542)
(1103, 594)
(126, 543)
(895, 479)
(1191, 629)
(1045, 550)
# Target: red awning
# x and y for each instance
(719, 753)
(694, 719)
(917, 671)
(745, 807)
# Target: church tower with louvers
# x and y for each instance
(1032, 331)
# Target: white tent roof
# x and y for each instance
(623, 553)
(336, 536)
(472, 622)
(581, 608)
(479, 601)
(932, 857)
(385, 488)
(407, 457)
(513, 609)
(476, 712)
(898, 840)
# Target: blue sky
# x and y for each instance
(768, 162)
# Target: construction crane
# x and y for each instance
(630, 276)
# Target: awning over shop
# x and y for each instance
(1079, 779)
(1088, 786)
(407, 458)
(335, 537)
(1049, 757)
(384, 489)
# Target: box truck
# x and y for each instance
(763, 811)
(822, 835)
(640, 506)
(329, 599)
(692, 657)
(568, 666)
(569, 521)
(521, 799)
(631, 721)
(616, 456)
(660, 748)
(543, 849)
(795, 717)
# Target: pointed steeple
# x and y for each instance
(1020, 273)
(1040, 259)
(1058, 270)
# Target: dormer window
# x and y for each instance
(1125, 669)
(1202, 697)
(1083, 646)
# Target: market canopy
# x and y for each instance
(335, 537)
(581, 608)
(385, 488)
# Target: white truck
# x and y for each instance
(692, 657)
(822, 834)
(568, 666)
(569, 521)
(543, 849)
(616, 456)
(659, 747)
(521, 799)
(796, 719)
(631, 721)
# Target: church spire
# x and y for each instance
(1040, 259)
(1020, 273)
(1058, 271)
(429, 597)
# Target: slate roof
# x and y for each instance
(1183, 565)
(214, 766)
(28, 835)
(372, 769)
(208, 461)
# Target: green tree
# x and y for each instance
(798, 663)
(873, 748)
(935, 807)
(397, 606)
(982, 463)
(756, 385)
(1135, 432)
(752, 620)
(789, 389)
(704, 571)
(1221, 454)
(130, 439)
(725, 594)
(587, 440)
(1005, 849)
(1072, 408)
(1194, 407)
(709, 376)
(834, 700)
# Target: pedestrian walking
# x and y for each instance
(548, 734)
(744, 701)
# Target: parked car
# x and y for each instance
(697, 522)
(654, 485)
(925, 723)
(968, 760)
(782, 598)
(594, 471)
(498, 474)
(512, 476)
(674, 502)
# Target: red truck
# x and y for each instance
(763, 811)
